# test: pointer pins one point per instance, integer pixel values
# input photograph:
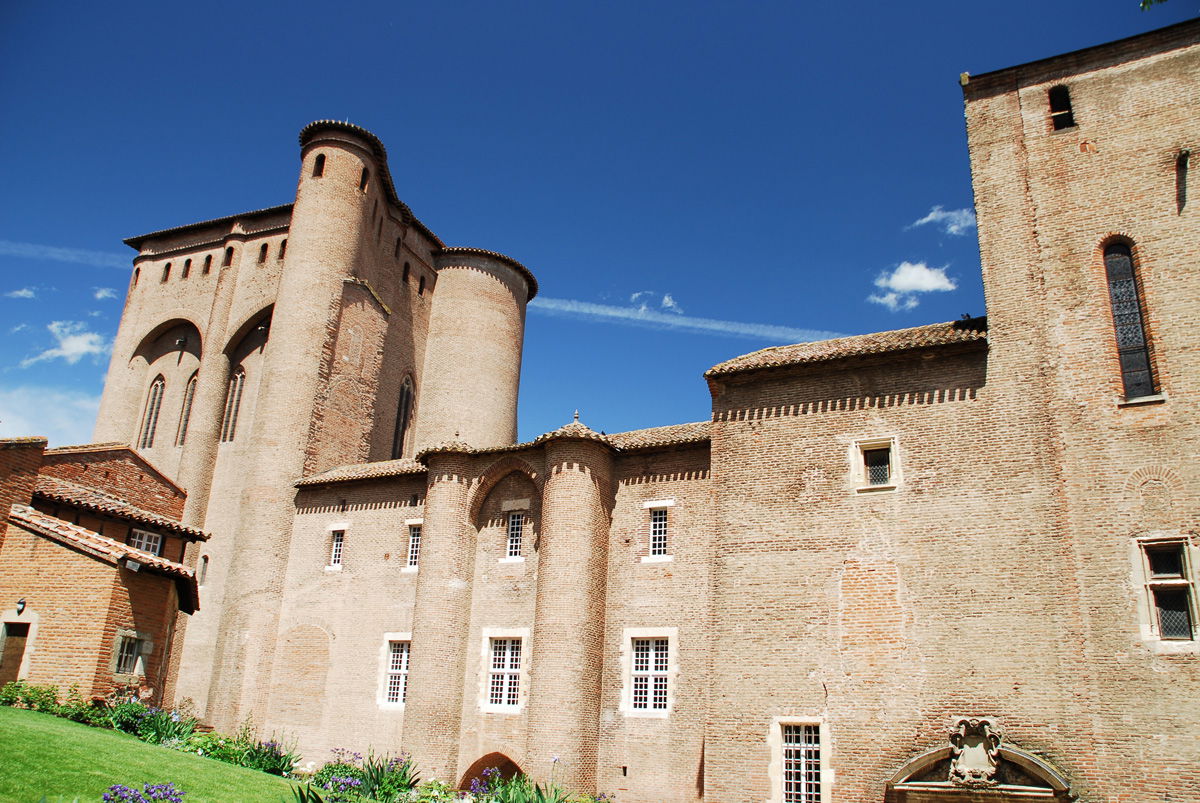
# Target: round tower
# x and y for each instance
(473, 352)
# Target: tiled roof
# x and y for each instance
(936, 334)
(105, 548)
(655, 437)
(576, 430)
(115, 446)
(71, 493)
(136, 242)
(524, 271)
(363, 471)
(17, 443)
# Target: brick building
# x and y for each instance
(955, 562)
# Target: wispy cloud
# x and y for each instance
(62, 416)
(951, 221)
(24, 292)
(644, 315)
(74, 342)
(101, 293)
(646, 300)
(101, 259)
(18, 328)
(669, 304)
(902, 285)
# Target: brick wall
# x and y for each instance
(119, 472)
(20, 460)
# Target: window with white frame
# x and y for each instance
(504, 676)
(337, 543)
(658, 531)
(801, 763)
(875, 464)
(129, 653)
(148, 542)
(397, 672)
(650, 673)
(1168, 583)
(516, 532)
(414, 545)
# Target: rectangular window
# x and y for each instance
(414, 544)
(148, 542)
(651, 664)
(658, 531)
(516, 529)
(878, 466)
(128, 652)
(1169, 589)
(397, 675)
(335, 548)
(801, 764)
(504, 679)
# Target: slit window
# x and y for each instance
(166, 274)
(137, 273)
(421, 287)
(396, 252)
(1133, 348)
(282, 247)
(319, 166)
(187, 269)
(150, 418)
(1181, 180)
(404, 406)
(1061, 115)
(207, 265)
(228, 257)
(404, 273)
(185, 414)
(414, 545)
(233, 404)
(262, 254)
(203, 570)
(363, 179)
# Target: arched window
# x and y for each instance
(282, 247)
(1061, 115)
(1133, 349)
(228, 257)
(421, 287)
(363, 179)
(403, 416)
(233, 402)
(150, 417)
(185, 414)
(207, 264)
(262, 254)
(319, 166)
(166, 271)
(187, 269)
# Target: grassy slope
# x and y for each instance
(44, 755)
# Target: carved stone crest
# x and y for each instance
(974, 752)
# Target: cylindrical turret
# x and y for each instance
(473, 352)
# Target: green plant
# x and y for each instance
(77, 709)
(390, 779)
(436, 792)
(20, 694)
(306, 793)
(164, 727)
(10, 694)
(270, 756)
(336, 769)
(127, 716)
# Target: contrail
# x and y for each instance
(102, 259)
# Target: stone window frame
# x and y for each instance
(651, 506)
(508, 508)
(775, 768)
(628, 635)
(486, 636)
(385, 663)
(333, 529)
(1145, 584)
(858, 464)
(145, 648)
(410, 524)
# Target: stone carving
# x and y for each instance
(974, 752)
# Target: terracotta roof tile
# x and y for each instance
(937, 334)
(655, 437)
(363, 471)
(71, 493)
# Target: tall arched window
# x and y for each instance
(228, 257)
(403, 416)
(1133, 349)
(233, 402)
(319, 166)
(185, 414)
(150, 417)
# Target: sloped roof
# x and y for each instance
(107, 549)
(657, 437)
(918, 337)
(363, 471)
(72, 493)
(116, 446)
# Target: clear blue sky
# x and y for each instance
(756, 163)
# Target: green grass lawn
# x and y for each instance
(42, 755)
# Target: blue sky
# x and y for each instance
(688, 181)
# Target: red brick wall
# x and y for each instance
(121, 473)
(20, 459)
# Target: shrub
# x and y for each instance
(10, 695)
(338, 769)
(77, 709)
(386, 779)
(20, 694)
(270, 756)
(213, 745)
(162, 727)
(127, 717)
(119, 793)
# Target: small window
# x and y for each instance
(336, 543)
(137, 274)
(185, 414)
(262, 254)
(203, 574)
(414, 545)
(282, 248)
(404, 274)
(802, 764)
(233, 404)
(228, 257)
(187, 269)
(319, 166)
(396, 252)
(875, 466)
(166, 274)
(878, 465)
(1133, 347)
(421, 287)
(1169, 589)
(658, 532)
(1061, 115)
(650, 673)
(504, 678)
(147, 542)
(363, 179)
(150, 417)
(129, 653)
(207, 265)
(516, 531)
(397, 675)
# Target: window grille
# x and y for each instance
(651, 662)
(150, 420)
(1169, 589)
(516, 529)
(801, 764)
(504, 681)
(233, 403)
(878, 464)
(1061, 115)
(404, 407)
(1132, 347)
(127, 655)
(185, 414)
(414, 544)
(397, 676)
(147, 542)
(658, 531)
(335, 548)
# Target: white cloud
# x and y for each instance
(21, 327)
(74, 343)
(642, 315)
(65, 417)
(24, 292)
(101, 293)
(101, 259)
(953, 221)
(670, 305)
(902, 284)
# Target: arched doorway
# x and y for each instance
(504, 765)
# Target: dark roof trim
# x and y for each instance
(507, 260)
(136, 242)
